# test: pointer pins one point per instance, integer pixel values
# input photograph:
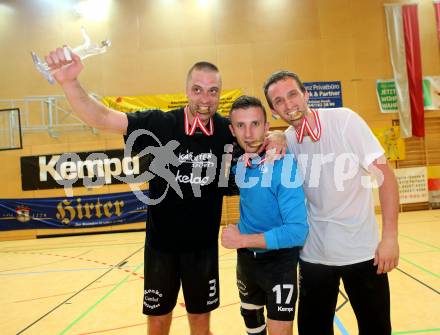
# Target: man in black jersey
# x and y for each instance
(182, 230)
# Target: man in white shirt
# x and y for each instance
(337, 155)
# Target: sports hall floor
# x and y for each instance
(92, 284)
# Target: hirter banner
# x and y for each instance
(72, 212)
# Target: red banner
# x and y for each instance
(437, 17)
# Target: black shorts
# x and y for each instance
(269, 279)
(196, 270)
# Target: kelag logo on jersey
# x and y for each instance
(78, 169)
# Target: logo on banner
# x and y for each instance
(326, 94)
(61, 212)
(23, 213)
(71, 210)
(103, 168)
(90, 169)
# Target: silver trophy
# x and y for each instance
(85, 50)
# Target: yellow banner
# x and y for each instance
(165, 102)
(391, 141)
(434, 172)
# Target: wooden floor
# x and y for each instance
(93, 285)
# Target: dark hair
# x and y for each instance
(276, 77)
(203, 65)
(246, 101)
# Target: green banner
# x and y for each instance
(387, 96)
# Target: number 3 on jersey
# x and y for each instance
(212, 287)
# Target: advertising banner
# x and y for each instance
(413, 184)
(391, 141)
(434, 185)
(72, 212)
(74, 169)
(387, 96)
(165, 102)
(325, 94)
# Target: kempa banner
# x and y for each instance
(93, 169)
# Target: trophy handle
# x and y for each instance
(84, 50)
(86, 43)
(42, 68)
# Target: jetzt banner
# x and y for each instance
(387, 96)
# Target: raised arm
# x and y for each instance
(66, 66)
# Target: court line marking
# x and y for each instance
(417, 331)
(74, 246)
(67, 257)
(345, 300)
(78, 292)
(43, 264)
(60, 271)
(420, 267)
(91, 308)
(419, 252)
(145, 323)
(418, 280)
(340, 326)
(420, 242)
(62, 303)
(66, 293)
(227, 253)
(337, 321)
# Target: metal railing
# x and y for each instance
(45, 113)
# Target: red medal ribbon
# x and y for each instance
(305, 125)
(197, 123)
(247, 161)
